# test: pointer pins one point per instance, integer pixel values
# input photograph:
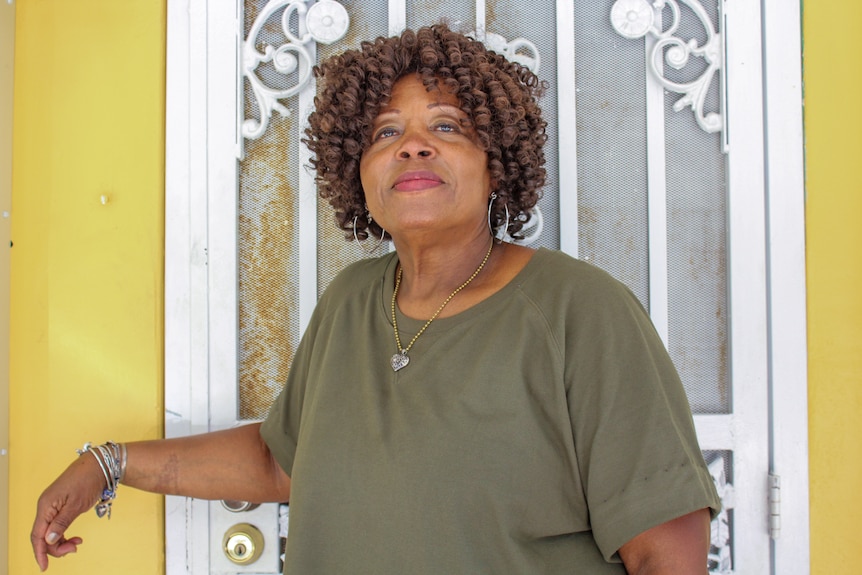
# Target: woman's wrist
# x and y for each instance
(111, 458)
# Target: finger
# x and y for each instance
(38, 540)
(56, 531)
(65, 546)
(59, 549)
(40, 551)
(48, 530)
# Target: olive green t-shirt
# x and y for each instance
(535, 432)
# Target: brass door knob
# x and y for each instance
(243, 543)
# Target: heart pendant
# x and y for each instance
(399, 361)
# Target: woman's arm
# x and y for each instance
(231, 464)
(678, 547)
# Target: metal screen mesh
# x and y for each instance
(697, 243)
(460, 15)
(268, 324)
(267, 254)
(611, 149)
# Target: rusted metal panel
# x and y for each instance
(267, 263)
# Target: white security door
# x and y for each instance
(657, 168)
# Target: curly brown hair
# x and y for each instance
(498, 96)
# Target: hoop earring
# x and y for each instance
(491, 199)
(500, 232)
(355, 237)
(362, 243)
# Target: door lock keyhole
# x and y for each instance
(243, 543)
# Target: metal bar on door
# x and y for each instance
(656, 195)
(182, 249)
(187, 378)
(567, 128)
(397, 16)
(307, 203)
(198, 414)
(785, 187)
(714, 431)
(185, 267)
(747, 286)
(222, 214)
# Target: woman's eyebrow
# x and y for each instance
(444, 105)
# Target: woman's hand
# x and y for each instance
(230, 464)
(73, 493)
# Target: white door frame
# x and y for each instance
(785, 213)
(766, 239)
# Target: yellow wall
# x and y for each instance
(833, 133)
(87, 279)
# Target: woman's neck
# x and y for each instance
(430, 273)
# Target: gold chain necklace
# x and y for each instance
(400, 359)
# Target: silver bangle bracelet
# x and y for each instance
(111, 458)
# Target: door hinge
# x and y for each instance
(774, 506)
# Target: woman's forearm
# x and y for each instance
(230, 464)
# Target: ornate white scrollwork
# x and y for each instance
(637, 18)
(719, 551)
(531, 230)
(326, 21)
(632, 18)
(519, 50)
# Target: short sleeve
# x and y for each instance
(280, 429)
(638, 455)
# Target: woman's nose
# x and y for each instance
(415, 145)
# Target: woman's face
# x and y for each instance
(424, 169)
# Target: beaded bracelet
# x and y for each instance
(111, 458)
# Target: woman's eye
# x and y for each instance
(385, 133)
(448, 127)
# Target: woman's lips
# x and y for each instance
(413, 181)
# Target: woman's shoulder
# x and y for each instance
(557, 268)
(572, 290)
(558, 281)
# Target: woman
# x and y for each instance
(462, 405)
